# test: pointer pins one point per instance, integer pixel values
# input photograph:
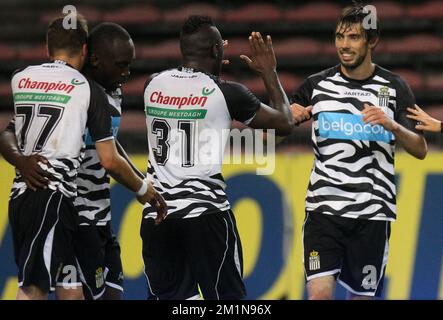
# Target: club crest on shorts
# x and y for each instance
(314, 260)
(99, 278)
(383, 97)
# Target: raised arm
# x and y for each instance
(263, 62)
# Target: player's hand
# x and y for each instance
(148, 196)
(375, 115)
(262, 58)
(160, 206)
(425, 121)
(156, 200)
(33, 174)
(300, 114)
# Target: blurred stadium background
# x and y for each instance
(269, 208)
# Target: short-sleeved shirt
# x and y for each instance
(53, 105)
(353, 172)
(93, 201)
(188, 116)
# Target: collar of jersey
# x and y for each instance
(62, 63)
(357, 80)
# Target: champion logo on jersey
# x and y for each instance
(314, 260)
(28, 83)
(77, 82)
(207, 92)
(346, 126)
(179, 101)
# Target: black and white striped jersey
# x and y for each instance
(353, 172)
(93, 194)
(53, 105)
(188, 117)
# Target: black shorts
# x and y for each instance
(98, 254)
(355, 251)
(182, 256)
(43, 223)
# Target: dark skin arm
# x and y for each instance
(34, 176)
(157, 202)
(264, 63)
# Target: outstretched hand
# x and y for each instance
(31, 171)
(262, 59)
(425, 121)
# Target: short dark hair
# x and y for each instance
(194, 23)
(356, 13)
(69, 40)
(102, 36)
(194, 38)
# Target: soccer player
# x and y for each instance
(359, 115)
(110, 53)
(425, 121)
(198, 246)
(54, 103)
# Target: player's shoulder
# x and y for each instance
(390, 77)
(95, 88)
(158, 76)
(324, 74)
(230, 85)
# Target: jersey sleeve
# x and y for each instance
(404, 99)
(303, 94)
(242, 103)
(99, 116)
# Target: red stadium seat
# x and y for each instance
(5, 89)
(133, 121)
(435, 111)
(413, 78)
(289, 82)
(37, 53)
(389, 10)
(416, 44)
(135, 86)
(429, 10)
(435, 82)
(169, 49)
(91, 14)
(297, 47)
(328, 48)
(179, 15)
(134, 14)
(260, 12)
(7, 52)
(315, 11)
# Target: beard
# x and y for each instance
(353, 64)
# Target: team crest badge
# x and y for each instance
(99, 278)
(383, 97)
(314, 260)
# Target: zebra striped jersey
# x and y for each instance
(188, 117)
(53, 105)
(353, 172)
(93, 194)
